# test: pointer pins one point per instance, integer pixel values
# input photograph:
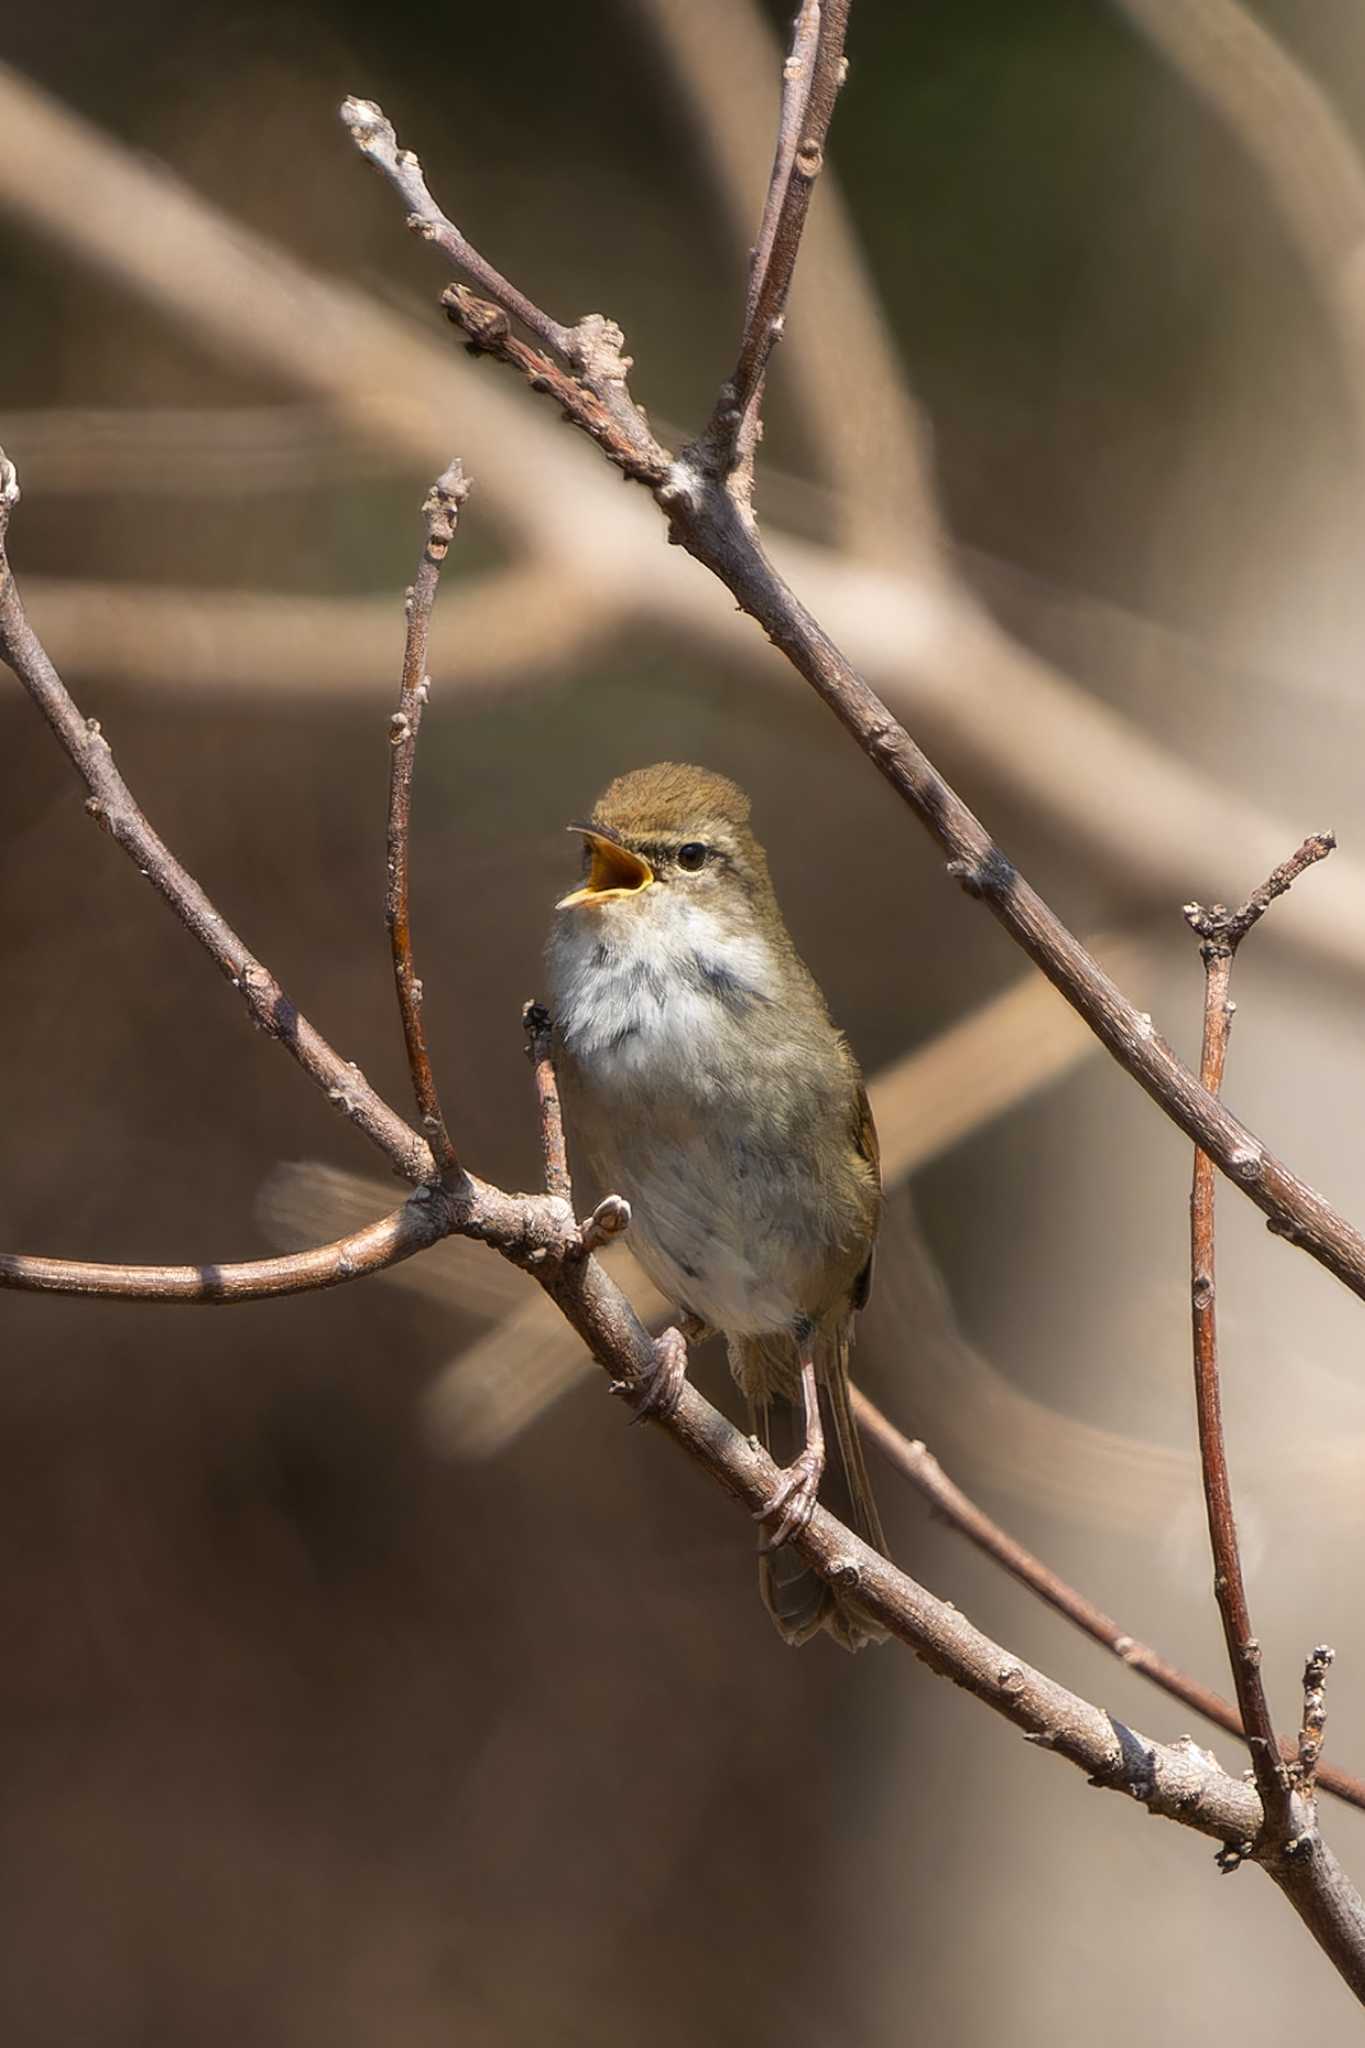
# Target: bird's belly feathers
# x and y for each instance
(730, 1214)
(738, 1251)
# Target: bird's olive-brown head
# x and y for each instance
(674, 827)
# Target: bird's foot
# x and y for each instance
(792, 1500)
(658, 1394)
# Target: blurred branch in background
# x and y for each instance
(1009, 718)
(504, 629)
(1290, 130)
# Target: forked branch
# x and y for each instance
(1221, 932)
(811, 78)
(917, 1463)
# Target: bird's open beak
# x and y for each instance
(615, 870)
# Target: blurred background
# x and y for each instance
(364, 1679)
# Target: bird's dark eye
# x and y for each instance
(693, 856)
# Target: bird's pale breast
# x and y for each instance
(708, 1098)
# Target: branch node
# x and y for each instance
(611, 1218)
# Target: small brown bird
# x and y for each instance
(704, 1081)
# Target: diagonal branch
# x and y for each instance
(1221, 932)
(441, 511)
(917, 1463)
(111, 805)
(594, 396)
(1178, 1781)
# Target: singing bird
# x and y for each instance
(704, 1081)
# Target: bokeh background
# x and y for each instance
(364, 1680)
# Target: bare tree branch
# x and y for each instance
(540, 1052)
(441, 512)
(1179, 1781)
(811, 78)
(111, 805)
(1221, 932)
(915, 1462)
(374, 1249)
(856, 413)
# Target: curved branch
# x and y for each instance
(379, 1245)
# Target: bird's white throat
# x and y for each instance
(648, 982)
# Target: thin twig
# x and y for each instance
(441, 512)
(1311, 1770)
(812, 75)
(797, 73)
(540, 1052)
(595, 396)
(846, 377)
(378, 1246)
(919, 1465)
(1221, 932)
(111, 805)
(373, 136)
